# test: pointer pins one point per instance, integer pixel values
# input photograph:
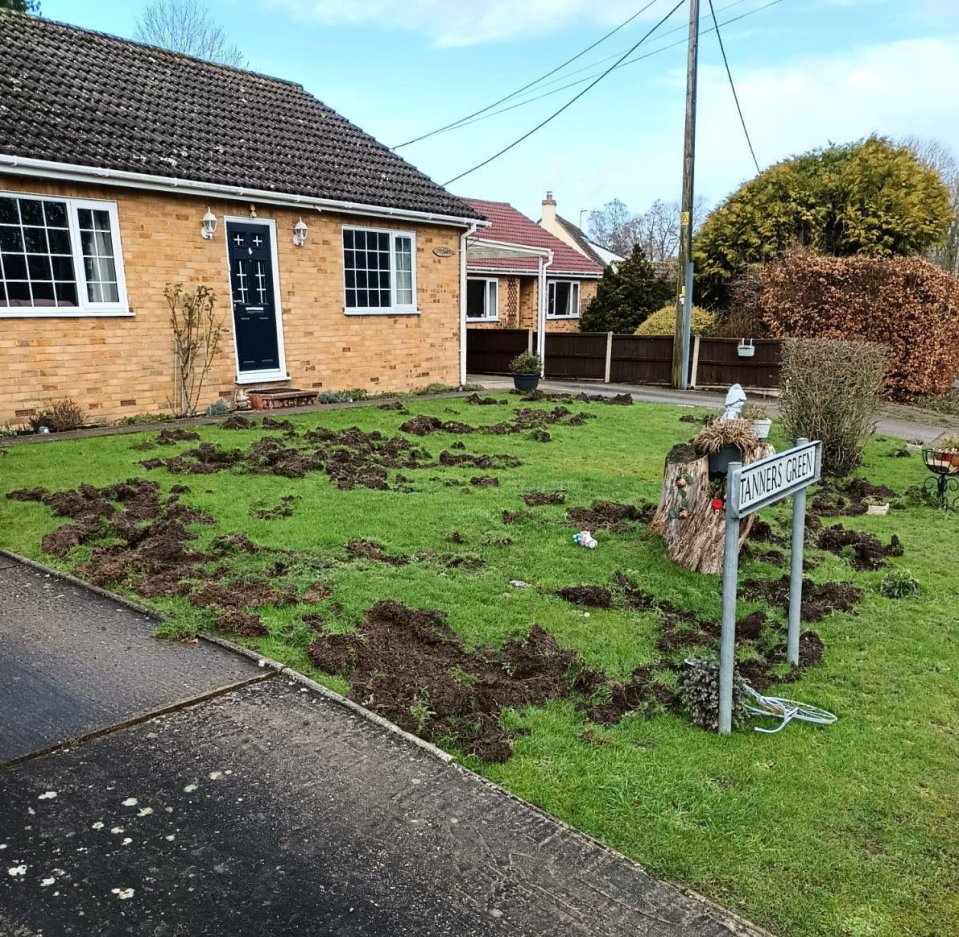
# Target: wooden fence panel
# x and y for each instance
(720, 364)
(489, 351)
(640, 360)
(576, 355)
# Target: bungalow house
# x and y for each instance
(504, 291)
(124, 168)
(574, 236)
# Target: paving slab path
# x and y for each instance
(203, 796)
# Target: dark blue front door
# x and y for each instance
(254, 300)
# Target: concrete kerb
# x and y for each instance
(190, 421)
(737, 923)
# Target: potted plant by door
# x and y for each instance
(725, 441)
(758, 415)
(526, 368)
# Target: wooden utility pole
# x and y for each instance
(684, 287)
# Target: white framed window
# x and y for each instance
(482, 299)
(562, 299)
(60, 257)
(379, 271)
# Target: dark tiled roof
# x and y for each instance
(513, 227)
(585, 244)
(80, 97)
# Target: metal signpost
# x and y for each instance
(749, 488)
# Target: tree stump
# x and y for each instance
(693, 530)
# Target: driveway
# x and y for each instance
(168, 790)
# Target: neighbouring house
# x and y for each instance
(504, 291)
(124, 168)
(574, 236)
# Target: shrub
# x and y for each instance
(832, 391)
(905, 303)
(627, 295)
(663, 322)
(60, 416)
(899, 585)
(197, 334)
(526, 363)
(754, 411)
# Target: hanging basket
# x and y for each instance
(745, 348)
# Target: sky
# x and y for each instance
(808, 72)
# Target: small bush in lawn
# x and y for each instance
(526, 363)
(699, 691)
(59, 416)
(832, 390)
(899, 585)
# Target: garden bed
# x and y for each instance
(364, 554)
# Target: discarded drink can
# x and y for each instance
(585, 539)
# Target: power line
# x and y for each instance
(536, 81)
(568, 104)
(732, 85)
(466, 122)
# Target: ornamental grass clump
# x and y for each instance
(832, 391)
(718, 433)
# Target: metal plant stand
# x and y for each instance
(943, 484)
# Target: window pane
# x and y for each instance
(14, 266)
(66, 294)
(475, 299)
(42, 292)
(94, 293)
(97, 243)
(11, 239)
(351, 299)
(110, 292)
(62, 268)
(35, 240)
(8, 211)
(18, 293)
(492, 309)
(59, 241)
(56, 214)
(38, 266)
(347, 239)
(31, 211)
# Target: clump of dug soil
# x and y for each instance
(411, 667)
(609, 515)
(593, 596)
(866, 551)
(819, 599)
(537, 497)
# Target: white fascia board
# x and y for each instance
(48, 169)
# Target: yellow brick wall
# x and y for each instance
(117, 366)
(520, 313)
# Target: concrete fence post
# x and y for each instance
(609, 356)
(695, 365)
(529, 341)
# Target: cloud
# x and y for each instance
(462, 23)
(895, 89)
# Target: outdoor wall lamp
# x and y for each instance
(299, 233)
(209, 226)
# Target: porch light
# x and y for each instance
(299, 233)
(209, 226)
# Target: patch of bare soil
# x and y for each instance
(479, 461)
(511, 517)
(271, 422)
(535, 498)
(593, 596)
(231, 602)
(484, 481)
(762, 532)
(238, 421)
(412, 668)
(866, 551)
(366, 549)
(206, 459)
(283, 509)
(773, 557)
(394, 405)
(834, 500)
(609, 515)
(169, 437)
(819, 599)
(642, 694)
(27, 494)
(424, 425)
(478, 401)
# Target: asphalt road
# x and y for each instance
(201, 795)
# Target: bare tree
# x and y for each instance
(185, 26)
(656, 230)
(942, 160)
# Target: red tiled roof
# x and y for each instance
(513, 227)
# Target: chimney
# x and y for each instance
(549, 212)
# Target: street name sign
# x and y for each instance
(749, 488)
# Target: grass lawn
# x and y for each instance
(851, 830)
